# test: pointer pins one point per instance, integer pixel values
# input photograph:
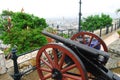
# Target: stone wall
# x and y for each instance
(2, 63)
(114, 51)
(115, 47)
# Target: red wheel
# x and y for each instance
(51, 65)
(91, 40)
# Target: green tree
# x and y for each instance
(24, 31)
(106, 20)
(92, 23)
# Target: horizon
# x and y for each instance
(62, 8)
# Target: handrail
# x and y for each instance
(17, 75)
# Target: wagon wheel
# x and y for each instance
(87, 39)
(50, 63)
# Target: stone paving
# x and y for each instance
(115, 47)
(5, 76)
(111, 38)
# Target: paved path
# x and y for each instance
(5, 77)
(111, 38)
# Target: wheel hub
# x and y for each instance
(56, 74)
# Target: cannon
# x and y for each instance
(73, 59)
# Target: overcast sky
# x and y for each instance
(61, 8)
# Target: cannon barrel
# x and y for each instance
(89, 56)
(82, 47)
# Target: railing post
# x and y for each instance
(115, 26)
(17, 75)
(100, 31)
(107, 29)
(112, 28)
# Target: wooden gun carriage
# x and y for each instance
(75, 59)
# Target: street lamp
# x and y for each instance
(79, 27)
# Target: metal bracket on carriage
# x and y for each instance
(103, 58)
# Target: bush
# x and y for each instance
(24, 40)
(118, 33)
(23, 31)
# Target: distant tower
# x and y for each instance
(22, 10)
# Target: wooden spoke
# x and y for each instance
(55, 57)
(64, 78)
(61, 61)
(47, 76)
(83, 36)
(68, 68)
(72, 77)
(46, 63)
(49, 58)
(90, 40)
(45, 69)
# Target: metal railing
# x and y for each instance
(17, 74)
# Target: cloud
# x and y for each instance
(54, 8)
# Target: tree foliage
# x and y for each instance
(95, 22)
(23, 30)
